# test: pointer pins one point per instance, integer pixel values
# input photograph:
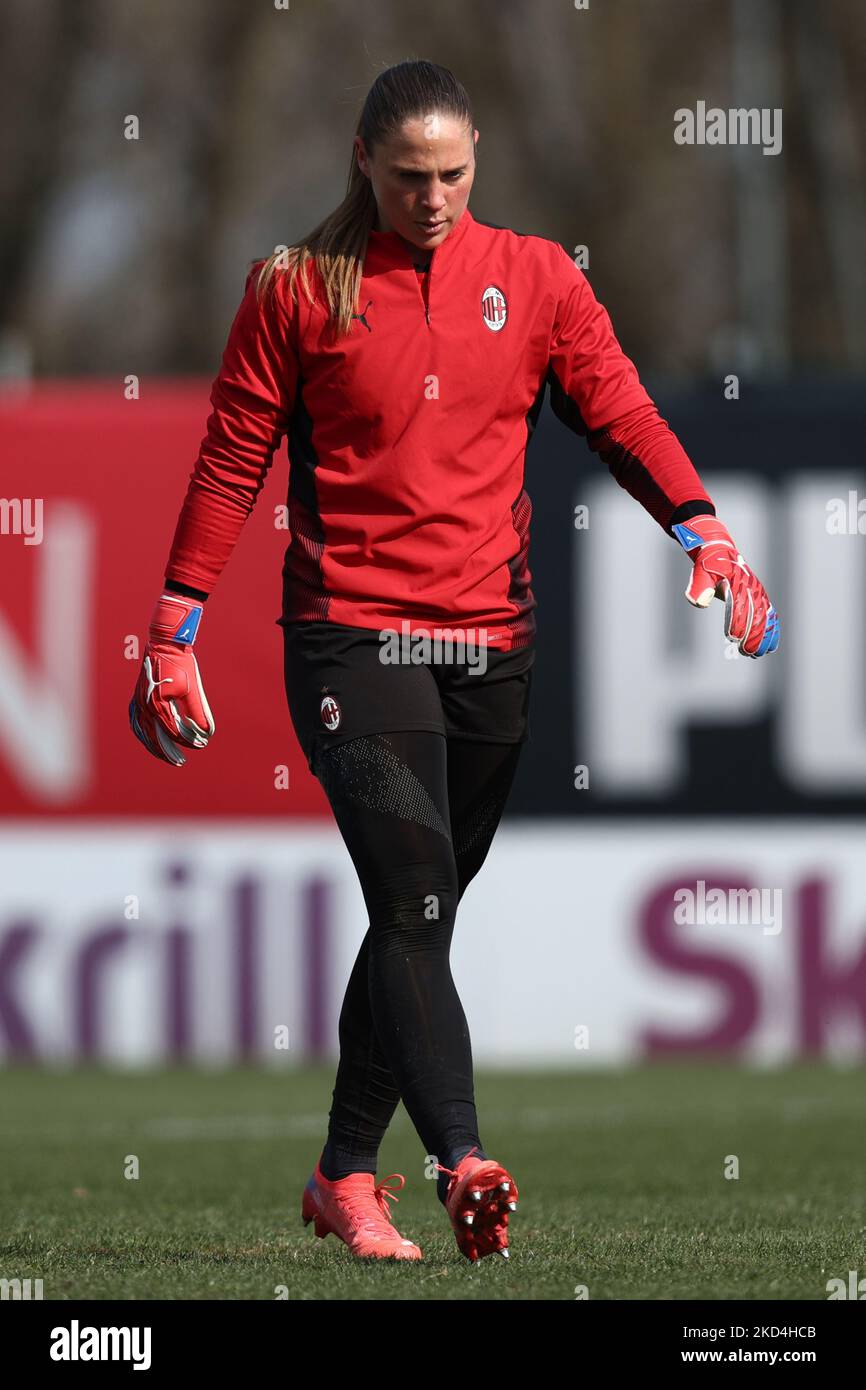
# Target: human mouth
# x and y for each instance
(432, 226)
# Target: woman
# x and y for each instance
(405, 348)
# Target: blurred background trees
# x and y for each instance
(121, 255)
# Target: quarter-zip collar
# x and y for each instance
(388, 249)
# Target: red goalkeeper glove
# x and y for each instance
(168, 710)
(719, 569)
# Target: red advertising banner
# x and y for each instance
(90, 491)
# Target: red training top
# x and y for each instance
(407, 439)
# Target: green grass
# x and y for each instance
(620, 1176)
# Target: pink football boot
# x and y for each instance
(481, 1196)
(354, 1210)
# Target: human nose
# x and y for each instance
(435, 199)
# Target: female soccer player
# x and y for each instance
(408, 371)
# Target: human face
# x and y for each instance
(421, 178)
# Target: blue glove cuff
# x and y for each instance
(687, 539)
(187, 630)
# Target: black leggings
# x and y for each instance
(417, 812)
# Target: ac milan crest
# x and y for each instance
(330, 712)
(494, 308)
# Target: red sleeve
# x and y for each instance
(596, 391)
(252, 400)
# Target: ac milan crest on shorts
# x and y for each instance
(331, 713)
(338, 688)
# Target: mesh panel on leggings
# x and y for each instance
(368, 772)
(479, 824)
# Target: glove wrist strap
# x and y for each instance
(702, 530)
(176, 619)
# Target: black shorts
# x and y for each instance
(338, 688)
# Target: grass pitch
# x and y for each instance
(621, 1177)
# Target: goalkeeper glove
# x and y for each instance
(168, 710)
(719, 569)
